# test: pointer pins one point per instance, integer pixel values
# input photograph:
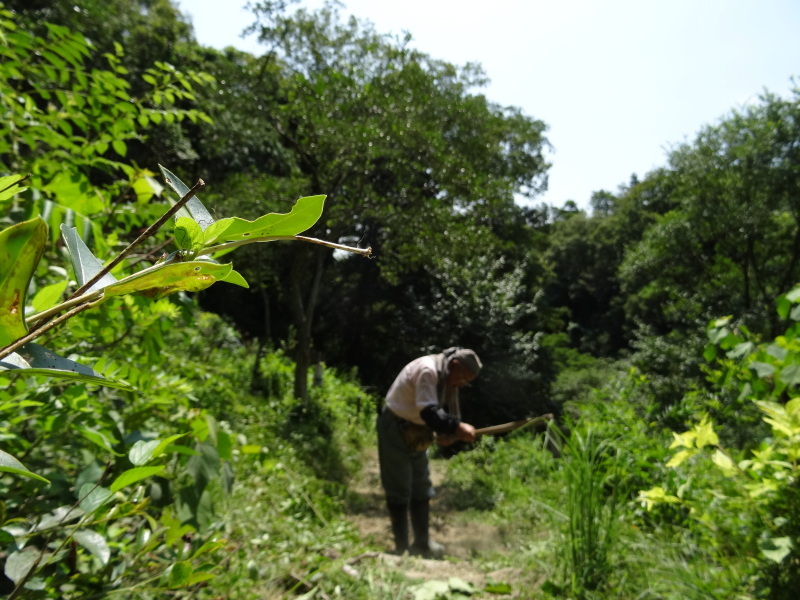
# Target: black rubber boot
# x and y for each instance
(398, 514)
(420, 520)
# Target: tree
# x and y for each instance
(393, 137)
(732, 242)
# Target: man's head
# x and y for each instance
(463, 366)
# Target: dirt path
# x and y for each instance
(465, 542)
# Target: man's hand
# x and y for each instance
(465, 432)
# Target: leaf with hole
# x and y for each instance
(304, 214)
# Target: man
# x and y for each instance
(422, 401)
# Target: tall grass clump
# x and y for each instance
(596, 492)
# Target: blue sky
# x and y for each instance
(618, 82)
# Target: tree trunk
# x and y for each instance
(310, 261)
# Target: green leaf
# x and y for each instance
(49, 296)
(724, 462)
(94, 543)
(236, 279)
(9, 464)
(120, 147)
(304, 214)
(143, 452)
(21, 248)
(784, 305)
(33, 359)
(9, 187)
(705, 434)
(179, 574)
(73, 190)
(163, 279)
(85, 264)
(19, 564)
(776, 549)
(92, 497)
(100, 438)
(791, 375)
(131, 476)
(680, 458)
(188, 235)
(655, 495)
(762, 369)
(199, 577)
(195, 208)
(498, 588)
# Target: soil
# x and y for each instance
(465, 542)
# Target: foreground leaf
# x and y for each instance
(131, 476)
(85, 264)
(94, 543)
(9, 187)
(9, 464)
(164, 279)
(143, 452)
(19, 564)
(304, 214)
(21, 248)
(194, 207)
(33, 359)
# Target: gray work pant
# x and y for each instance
(404, 474)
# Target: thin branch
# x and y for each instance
(145, 234)
(38, 328)
(32, 335)
(367, 252)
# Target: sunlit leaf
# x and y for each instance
(9, 464)
(236, 279)
(179, 574)
(705, 434)
(188, 235)
(9, 187)
(131, 476)
(762, 369)
(143, 452)
(776, 549)
(680, 458)
(19, 564)
(304, 214)
(93, 496)
(85, 264)
(194, 207)
(21, 248)
(48, 296)
(94, 543)
(683, 440)
(164, 279)
(33, 359)
(73, 190)
(791, 375)
(655, 495)
(724, 462)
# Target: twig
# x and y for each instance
(144, 235)
(367, 252)
(47, 326)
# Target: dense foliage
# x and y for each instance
(208, 452)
